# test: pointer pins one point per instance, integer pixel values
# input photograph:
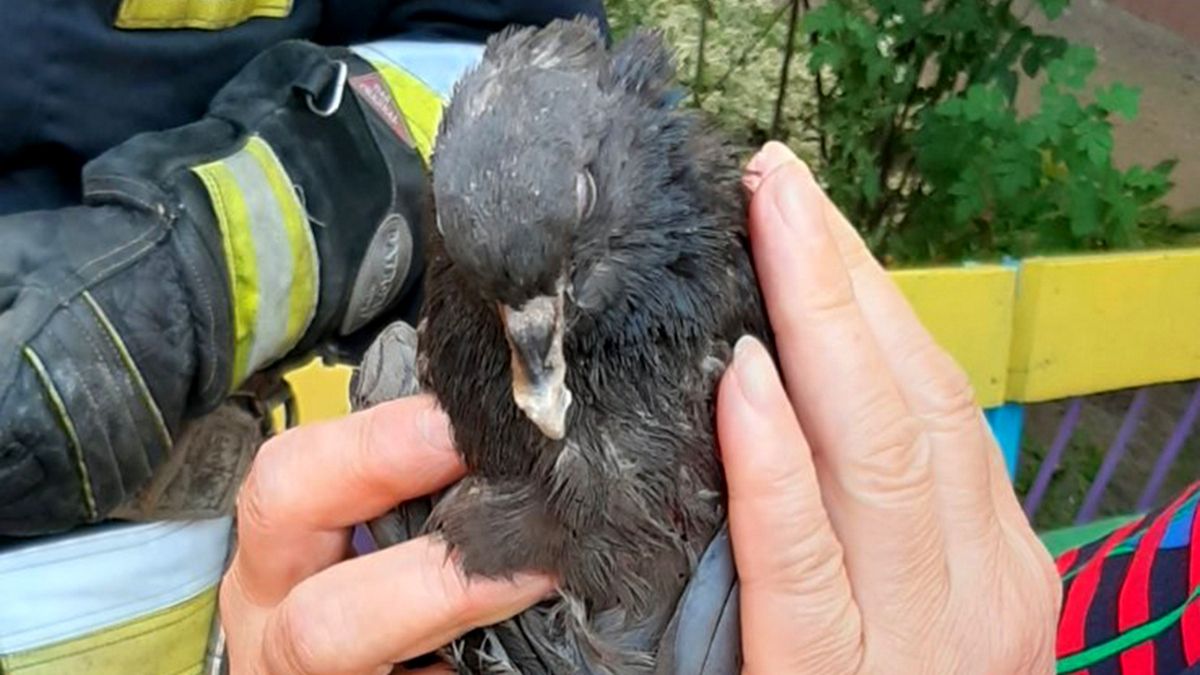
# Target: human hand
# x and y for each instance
(873, 524)
(294, 601)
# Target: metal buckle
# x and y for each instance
(335, 99)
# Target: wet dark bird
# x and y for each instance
(587, 278)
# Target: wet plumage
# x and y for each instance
(587, 279)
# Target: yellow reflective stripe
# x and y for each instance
(171, 641)
(64, 419)
(302, 301)
(134, 373)
(233, 221)
(270, 252)
(202, 14)
(420, 105)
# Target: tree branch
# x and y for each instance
(706, 10)
(785, 72)
(822, 139)
(745, 55)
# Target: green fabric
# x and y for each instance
(1064, 539)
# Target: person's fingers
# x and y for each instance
(872, 458)
(934, 387)
(387, 607)
(789, 563)
(307, 486)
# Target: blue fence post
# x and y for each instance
(1007, 422)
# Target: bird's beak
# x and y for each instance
(535, 338)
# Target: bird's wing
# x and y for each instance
(704, 636)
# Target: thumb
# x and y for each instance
(797, 611)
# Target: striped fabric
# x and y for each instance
(109, 599)
(1130, 598)
(272, 258)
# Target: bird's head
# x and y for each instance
(512, 185)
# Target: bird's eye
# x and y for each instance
(585, 194)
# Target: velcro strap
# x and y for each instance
(269, 251)
(202, 14)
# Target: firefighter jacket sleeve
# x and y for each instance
(285, 222)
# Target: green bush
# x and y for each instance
(907, 110)
(923, 147)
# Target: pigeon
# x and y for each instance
(587, 274)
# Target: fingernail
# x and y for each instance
(797, 201)
(755, 371)
(770, 157)
(435, 427)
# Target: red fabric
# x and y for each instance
(1065, 561)
(1133, 602)
(1071, 626)
(1189, 623)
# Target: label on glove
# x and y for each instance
(370, 88)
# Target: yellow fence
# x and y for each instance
(1059, 326)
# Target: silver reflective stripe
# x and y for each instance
(269, 251)
(93, 578)
(274, 258)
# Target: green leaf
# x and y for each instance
(1083, 208)
(1139, 178)
(827, 53)
(870, 184)
(1059, 108)
(1095, 139)
(968, 194)
(1124, 212)
(1007, 81)
(1119, 99)
(1038, 130)
(1011, 179)
(1031, 61)
(1042, 50)
(1053, 8)
(1073, 67)
(827, 18)
(982, 102)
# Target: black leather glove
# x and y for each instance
(280, 224)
